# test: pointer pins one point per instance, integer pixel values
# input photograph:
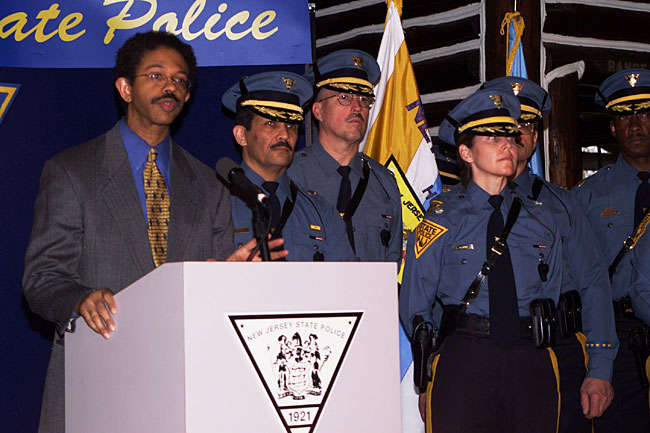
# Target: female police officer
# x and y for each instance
(488, 376)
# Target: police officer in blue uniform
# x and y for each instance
(614, 201)
(364, 192)
(269, 111)
(488, 375)
(586, 289)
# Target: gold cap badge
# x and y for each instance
(358, 61)
(632, 79)
(497, 99)
(516, 88)
(288, 83)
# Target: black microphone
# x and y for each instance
(240, 186)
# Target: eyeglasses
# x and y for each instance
(158, 79)
(527, 128)
(345, 99)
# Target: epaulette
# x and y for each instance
(446, 200)
(603, 171)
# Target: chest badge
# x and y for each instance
(426, 233)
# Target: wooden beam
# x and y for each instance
(495, 44)
(565, 154)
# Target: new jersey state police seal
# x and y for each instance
(297, 358)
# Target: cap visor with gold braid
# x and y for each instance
(486, 112)
(282, 107)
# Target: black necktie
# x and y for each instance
(642, 199)
(343, 200)
(276, 209)
(504, 311)
(345, 190)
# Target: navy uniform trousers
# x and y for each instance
(506, 380)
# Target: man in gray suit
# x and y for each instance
(91, 233)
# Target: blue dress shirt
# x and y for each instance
(137, 150)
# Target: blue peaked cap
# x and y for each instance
(352, 71)
(276, 95)
(485, 112)
(625, 92)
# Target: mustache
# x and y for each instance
(281, 143)
(167, 95)
(353, 115)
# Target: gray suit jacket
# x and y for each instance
(89, 232)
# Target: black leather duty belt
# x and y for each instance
(477, 324)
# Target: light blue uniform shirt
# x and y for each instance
(379, 210)
(584, 271)
(137, 150)
(607, 199)
(314, 227)
(446, 266)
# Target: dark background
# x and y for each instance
(56, 109)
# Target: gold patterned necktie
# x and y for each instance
(157, 201)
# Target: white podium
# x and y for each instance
(242, 347)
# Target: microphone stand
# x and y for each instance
(260, 231)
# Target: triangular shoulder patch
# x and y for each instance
(425, 234)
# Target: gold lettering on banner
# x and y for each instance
(236, 27)
(119, 22)
(16, 22)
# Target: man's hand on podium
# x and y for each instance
(242, 253)
(96, 308)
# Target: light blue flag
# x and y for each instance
(519, 70)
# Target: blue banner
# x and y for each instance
(87, 33)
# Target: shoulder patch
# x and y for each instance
(425, 234)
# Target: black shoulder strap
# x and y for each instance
(537, 188)
(358, 193)
(287, 207)
(498, 248)
(629, 243)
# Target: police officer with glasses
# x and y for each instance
(363, 191)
